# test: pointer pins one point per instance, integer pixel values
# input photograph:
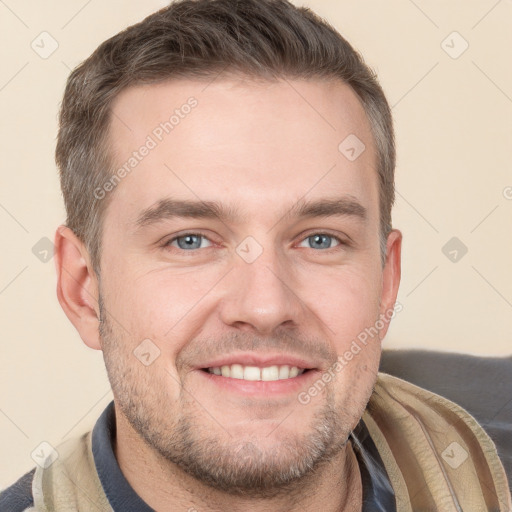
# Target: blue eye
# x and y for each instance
(187, 241)
(322, 240)
(191, 242)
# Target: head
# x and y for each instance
(214, 216)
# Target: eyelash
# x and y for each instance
(342, 243)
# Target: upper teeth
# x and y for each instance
(237, 371)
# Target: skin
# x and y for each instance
(184, 441)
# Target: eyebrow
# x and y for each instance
(169, 208)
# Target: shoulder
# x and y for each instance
(434, 445)
(18, 496)
(398, 402)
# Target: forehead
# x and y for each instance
(259, 146)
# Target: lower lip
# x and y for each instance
(260, 387)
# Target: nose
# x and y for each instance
(262, 296)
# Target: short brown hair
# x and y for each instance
(270, 39)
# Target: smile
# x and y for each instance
(254, 373)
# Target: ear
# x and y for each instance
(390, 278)
(77, 286)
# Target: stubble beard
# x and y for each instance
(238, 467)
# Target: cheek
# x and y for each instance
(347, 301)
(160, 305)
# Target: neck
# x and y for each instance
(333, 486)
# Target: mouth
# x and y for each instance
(259, 374)
(256, 373)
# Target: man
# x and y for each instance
(227, 169)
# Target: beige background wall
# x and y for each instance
(454, 179)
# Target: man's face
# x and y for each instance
(262, 288)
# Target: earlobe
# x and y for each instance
(77, 286)
(391, 277)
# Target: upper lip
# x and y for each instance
(261, 360)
